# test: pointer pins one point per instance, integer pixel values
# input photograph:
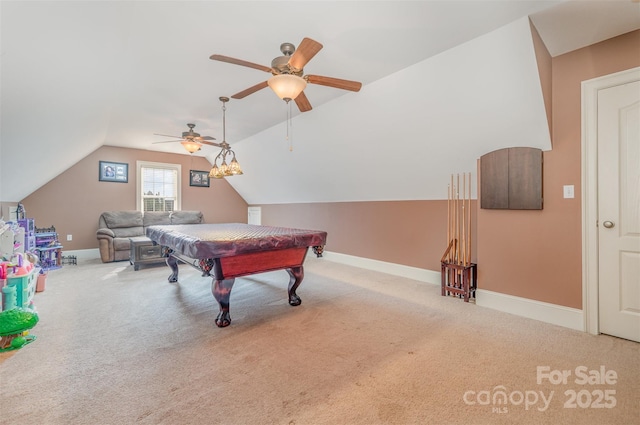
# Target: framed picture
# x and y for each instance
(113, 172)
(199, 178)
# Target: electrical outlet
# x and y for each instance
(69, 237)
(568, 191)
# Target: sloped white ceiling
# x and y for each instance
(77, 75)
(403, 136)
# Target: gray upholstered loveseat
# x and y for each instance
(116, 227)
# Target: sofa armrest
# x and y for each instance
(105, 244)
(105, 233)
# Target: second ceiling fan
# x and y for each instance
(191, 140)
(288, 80)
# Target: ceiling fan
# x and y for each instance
(288, 80)
(191, 140)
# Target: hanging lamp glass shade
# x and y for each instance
(224, 168)
(234, 167)
(215, 172)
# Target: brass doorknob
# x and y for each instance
(608, 224)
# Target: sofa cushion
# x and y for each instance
(156, 217)
(120, 219)
(121, 244)
(128, 232)
(186, 217)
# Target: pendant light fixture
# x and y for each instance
(224, 170)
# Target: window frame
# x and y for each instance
(148, 164)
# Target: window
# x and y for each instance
(158, 186)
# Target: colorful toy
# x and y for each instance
(14, 328)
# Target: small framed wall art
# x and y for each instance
(113, 172)
(199, 178)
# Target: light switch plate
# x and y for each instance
(568, 191)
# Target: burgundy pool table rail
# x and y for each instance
(241, 250)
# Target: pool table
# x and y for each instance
(229, 250)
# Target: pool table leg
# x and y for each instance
(221, 290)
(296, 274)
(173, 264)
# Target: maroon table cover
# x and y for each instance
(229, 239)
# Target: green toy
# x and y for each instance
(14, 327)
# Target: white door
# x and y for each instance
(254, 215)
(619, 210)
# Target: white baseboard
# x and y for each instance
(415, 273)
(545, 312)
(85, 254)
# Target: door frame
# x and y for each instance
(589, 182)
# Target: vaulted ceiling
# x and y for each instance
(443, 83)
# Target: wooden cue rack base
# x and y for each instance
(459, 279)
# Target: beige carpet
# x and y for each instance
(116, 346)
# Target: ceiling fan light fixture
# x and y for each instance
(287, 86)
(191, 146)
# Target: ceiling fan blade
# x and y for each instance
(168, 141)
(240, 62)
(208, 138)
(304, 53)
(250, 90)
(204, 142)
(303, 102)
(166, 135)
(333, 82)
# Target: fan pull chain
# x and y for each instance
(289, 127)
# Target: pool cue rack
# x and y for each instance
(459, 276)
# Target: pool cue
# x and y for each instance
(458, 218)
(452, 253)
(464, 219)
(448, 216)
(469, 242)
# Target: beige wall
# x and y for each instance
(530, 254)
(538, 254)
(74, 200)
(412, 233)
